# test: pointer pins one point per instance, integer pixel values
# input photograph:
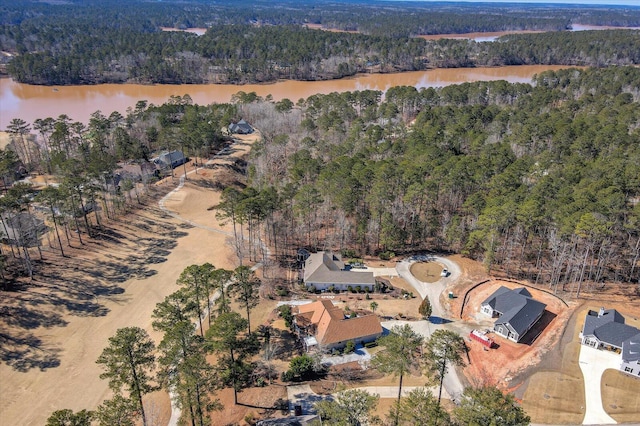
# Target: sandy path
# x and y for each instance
(28, 398)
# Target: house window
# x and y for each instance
(628, 370)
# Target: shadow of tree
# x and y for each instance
(24, 351)
(80, 285)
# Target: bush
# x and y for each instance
(350, 289)
(367, 297)
(353, 315)
(282, 405)
(358, 289)
(301, 367)
(286, 376)
(350, 347)
(311, 289)
(387, 255)
(371, 344)
(287, 316)
(347, 253)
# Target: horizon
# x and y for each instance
(615, 3)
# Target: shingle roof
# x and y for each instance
(615, 333)
(631, 349)
(333, 327)
(522, 317)
(326, 268)
(240, 127)
(594, 320)
(517, 307)
(348, 329)
(504, 299)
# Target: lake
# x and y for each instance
(30, 102)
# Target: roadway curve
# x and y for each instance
(432, 290)
(438, 319)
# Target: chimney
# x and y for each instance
(601, 313)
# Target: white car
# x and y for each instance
(444, 273)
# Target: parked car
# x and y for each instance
(445, 273)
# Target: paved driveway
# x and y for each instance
(303, 396)
(593, 362)
(360, 355)
(452, 386)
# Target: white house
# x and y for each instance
(323, 270)
(606, 330)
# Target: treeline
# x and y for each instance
(89, 163)
(245, 54)
(89, 43)
(539, 181)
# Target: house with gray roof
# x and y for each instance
(323, 270)
(631, 356)
(516, 310)
(606, 329)
(240, 128)
(170, 159)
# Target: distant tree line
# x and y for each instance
(88, 43)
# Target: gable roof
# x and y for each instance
(240, 127)
(521, 317)
(594, 320)
(327, 268)
(333, 327)
(615, 333)
(504, 299)
(631, 349)
(519, 310)
(608, 326)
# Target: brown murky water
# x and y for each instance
(486, 36)
(78, 102)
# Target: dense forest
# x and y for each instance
(541, 181)
(89, 42)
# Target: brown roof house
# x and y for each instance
(324, 269)
(325, 326)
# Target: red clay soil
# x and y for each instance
(499, 365)
(252, 403)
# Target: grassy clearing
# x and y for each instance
(557, 397)
(428, 272)
(621, 396)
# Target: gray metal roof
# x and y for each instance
(631, 349)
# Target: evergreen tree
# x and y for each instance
(129, 363)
